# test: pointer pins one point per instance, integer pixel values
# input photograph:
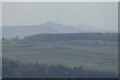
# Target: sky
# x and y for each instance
(96, 14)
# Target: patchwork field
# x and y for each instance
(91, 54)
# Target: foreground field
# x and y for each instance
(91, 54)
(16, 69)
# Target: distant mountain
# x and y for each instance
(48, 27)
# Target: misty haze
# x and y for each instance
(60, 40)
(50, 27)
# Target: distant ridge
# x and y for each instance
(48, 27)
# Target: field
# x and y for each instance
(91, 54)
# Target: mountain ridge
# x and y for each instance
(47, 27)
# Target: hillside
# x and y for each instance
(48, 27)
(97, 51)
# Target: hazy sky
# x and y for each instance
(104, 15)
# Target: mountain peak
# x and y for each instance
(50, 22)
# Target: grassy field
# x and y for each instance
(92, 54)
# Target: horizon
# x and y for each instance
(99, 15)
(49, 27)
(53, 22)
(86, 17)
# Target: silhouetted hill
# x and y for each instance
(48, 27)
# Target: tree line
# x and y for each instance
(18, 69)
(72, 36)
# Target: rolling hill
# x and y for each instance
(48, 27)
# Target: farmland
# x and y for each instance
(92, 54)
